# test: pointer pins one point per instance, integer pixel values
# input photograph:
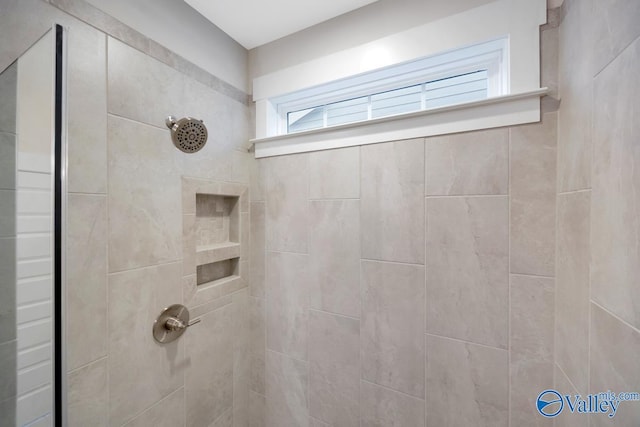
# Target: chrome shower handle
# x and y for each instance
(172, 323)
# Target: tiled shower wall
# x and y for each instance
(404, 278)
(124, 240)
(408, 283)
(598, 297)
(405, 282)
(125, 244)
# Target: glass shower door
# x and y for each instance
(30, 214)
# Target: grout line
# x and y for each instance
(267, 251)
(176, 261)
(335, 199)
(287, 356)
(82, 193)
(563, 193)
(362, 380)
(107, 212)
(567, 378)
(466, 342)
(622, 51)
(424, 283)
(319, 420)
(158, 402)
(331, 313)
(509, 200)
(556, 224)
(538, 276)
(74, 370)
(391, 262)
(360, 293)
(129, 119)
(453, 196)
(590, 216)
(624, 322)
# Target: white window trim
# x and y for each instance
(492, 55)
(506, 110)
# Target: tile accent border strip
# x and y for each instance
(113, 27)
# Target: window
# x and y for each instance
(438, 93)
(468, 74)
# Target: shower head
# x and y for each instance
(188, 134)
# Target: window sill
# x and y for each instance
(488, 113)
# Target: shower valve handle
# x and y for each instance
(172, 323)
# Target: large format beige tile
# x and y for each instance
(257, 380)
(7, 161)
(8, 330)
(531, 363)
(257, 180)
(564, 387)
(392, 339)
(224, 157)
(8, 411)
(241, 357)
(314, 422)
(549, 58)
(467, 384)
(224, 420)
(86, 301)
(169, 412)
(142, 371)
(257, 250)
(87, 110)
(257, 332)
(335, 174)
(533, 197)
(287, 303)
(87, 395)
(614, 365)
(8, 212)
(287, 202)
(614, 29)
(143, 89)
(257, 415)
(468, 163)
(334, 256)
(145, 218)
(257, 343)
(8, 378)
(8, 87)
(615, 222)
(209, 349)
(467, 268)
(382, 407)
(286, 399)
(575, 86)
(334, 369)
(572, 287)
(392, 201)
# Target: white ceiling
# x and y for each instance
(255, 22)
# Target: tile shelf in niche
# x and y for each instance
(214, 252)
(215, 227)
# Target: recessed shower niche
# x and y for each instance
(215, 239)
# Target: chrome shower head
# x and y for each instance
(188, 134)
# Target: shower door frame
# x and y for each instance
(60, 229)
